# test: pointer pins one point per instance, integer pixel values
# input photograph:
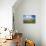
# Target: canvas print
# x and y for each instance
(29, 19)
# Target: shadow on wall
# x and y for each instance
(37, 41)
(28, 7)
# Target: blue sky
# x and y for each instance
(29, 17)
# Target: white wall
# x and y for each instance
(35, 31)
(6, 13)
(6, 17)
(43, 23)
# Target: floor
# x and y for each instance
(9, 43)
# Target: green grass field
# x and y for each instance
(29, 21)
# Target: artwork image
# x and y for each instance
(29, 19)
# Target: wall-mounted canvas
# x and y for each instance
(29, 18)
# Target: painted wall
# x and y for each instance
(30, 31)
(6, 13)
(43, 32)
(6, 18)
